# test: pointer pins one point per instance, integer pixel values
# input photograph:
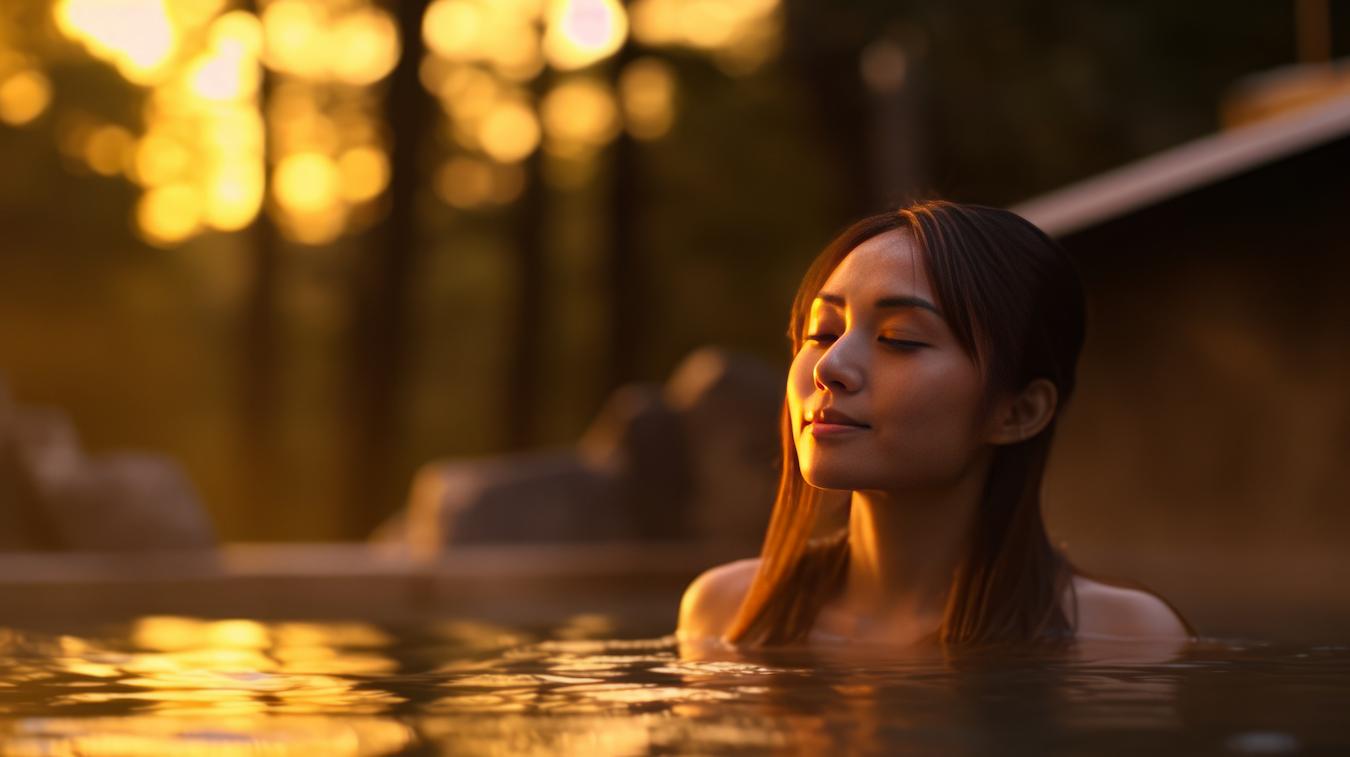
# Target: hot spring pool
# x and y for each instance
(250, 654)
(178, 686)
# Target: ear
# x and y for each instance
(1020, 417)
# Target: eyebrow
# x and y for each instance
(905, 301)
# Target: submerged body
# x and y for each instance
(1098, 611)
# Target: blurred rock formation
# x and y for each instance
(693, 459)
(55, 497)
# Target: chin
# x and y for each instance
(837, 478)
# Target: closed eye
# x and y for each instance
(902, 344)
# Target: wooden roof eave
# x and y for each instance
(1181, 169)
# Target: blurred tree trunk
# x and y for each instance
(820, 49)
(380, 295)
(626, 281)
(897, 108)
(258, 390)
(527, 328)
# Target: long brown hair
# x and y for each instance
(1014, 301)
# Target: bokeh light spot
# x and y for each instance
(647, 91)
(293, 37)
(306, 182)
(168, 215)
(509, 132)
(364, 172)
(451, 28)
(136, 36)
(581, 111)
(23, 97)
(465, 182)
(364, 47)
(160, 159)
(584, 32)
(108, 149)
(234, 197)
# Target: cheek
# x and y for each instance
(801, 385)
(931, 416)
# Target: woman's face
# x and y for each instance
(878, 351)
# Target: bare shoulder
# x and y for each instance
(711, 601)
(1109, 611)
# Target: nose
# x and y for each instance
(838, 370)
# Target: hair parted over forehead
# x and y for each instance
(1011, 295)
(1014, 301)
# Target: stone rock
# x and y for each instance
(127, 501)
(692, 459)
(636, 439)
(625, 479)
(23, 522)
(540, 497)
(730, 409)
(54, 496)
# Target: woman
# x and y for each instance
(934, 348)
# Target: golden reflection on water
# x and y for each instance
(181, 686)
(189, 686)
(222, 734)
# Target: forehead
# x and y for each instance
(887, 264)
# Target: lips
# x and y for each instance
(831, 417)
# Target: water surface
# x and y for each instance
(175, 685)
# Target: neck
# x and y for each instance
(905, 547)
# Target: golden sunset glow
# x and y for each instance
(228, 69)
(482, 56)
(293, 31)
(136, 36)
(199, 155)
(108, 150)
(583, 32)
(580, 113)
(469, 92)
(453, 28)
(204, 132)
(24, 95)
(326, 152)
(316, 40)
(363, 173)
(741, 35)
(509, 132)
(363, 47)
(234, 197)
(647, 91)
(306, 182)
(464, 182)
(468, 183)
(518, 57)
(169, 214)
(501, 36)
(161, 157)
